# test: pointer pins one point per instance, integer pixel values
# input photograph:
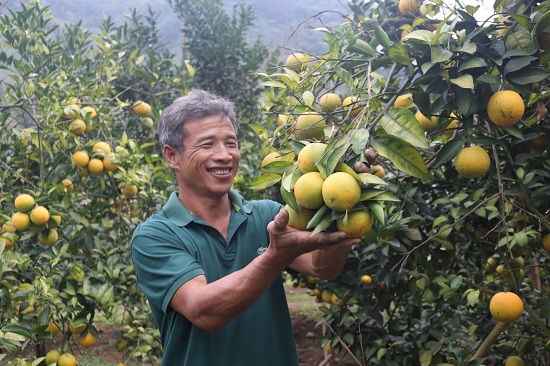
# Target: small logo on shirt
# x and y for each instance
(261, 250)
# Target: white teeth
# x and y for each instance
(220, 171)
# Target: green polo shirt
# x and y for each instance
(174, 246)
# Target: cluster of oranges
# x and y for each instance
(31, 216)
(102, 160)
(81, 118)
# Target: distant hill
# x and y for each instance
(277, 24)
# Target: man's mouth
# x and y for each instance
(220, 171)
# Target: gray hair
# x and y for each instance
(196, 105)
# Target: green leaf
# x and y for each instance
(343, 167)
(361, 47)
(323, 224)
(398, 53)
(368, 178)
(336, 149)
(264, 181)
(368, 194)
(440, 54)
(260, 131)
(402, 154)
(465, 81)
(448, 151)
(318, 216)
(377, 210)
(425, 358)
(308, 98)
(17, 329)
(473, 297)
(381, 37)
(385, 196)
(468, 47)
(190, 68)
(279, 167)
(344, 75)
(528, 76)
(274, 84)
(466, 100)
(517, 63)
(289, 198)
(419, 36)
(359, 139)
(472, 62)
(401, 123)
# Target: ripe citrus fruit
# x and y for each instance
(428, 124)
(295, 62)
(39, 215)
(73, 100)
(329, 102)
(66, 359)
(472, 162)
(505, 108)
(309, 156)
(269, 158)
(8, 244)
(88, 340)
(546, 242)
(408, 7)
(337, 301)
(341, 191)
(308, 190)
(404, 101)
(142, 108)
(451, 127)
(88, 112)
(358, 224)
(282, 119)
(300, 219)
(108, 165)
(48, 238)
(95, 166)
(71, 111)
(514, 361)
(77, 328)
(52, 356)
(354, 102)
(130, 191)
(52, 328)
(24, 202)
(81, 159)
(366, 280)
(101, 148)
(77, 126)
(378, 170)
(68, 185)
(310, 126)
(506, 306)
(326, 296)
(21, 221)
(8, 227)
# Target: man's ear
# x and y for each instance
(172, 156)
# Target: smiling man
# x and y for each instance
(210, 261)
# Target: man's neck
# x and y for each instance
(210, 209)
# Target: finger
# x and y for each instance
(281, 219)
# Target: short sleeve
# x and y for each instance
(162, 262)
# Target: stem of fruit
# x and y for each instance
(488, 342)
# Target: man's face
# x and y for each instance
(210, 159)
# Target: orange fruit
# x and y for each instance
(408, 7)
(8, 227)
(73, 100)
(546, 242)
(354, 102)
(378, 170)
(101, 148)
(95, 166)
(341, 191)
(24, 202)
(300, 219)
(358, 224)
(329, 102)
(88, 340)
(66, 359)
(366, 280)
(88, 112)
(514, 361)
(21, 221)
(68, 185)
(404, 101)
(472, 162)
(337, 301)
(142, 108)
(310, 126)
(428, 124)
(269, 158)
(77, 126)
(52, 328)
(77, 328)
(71, 111)
(108, 165)
(282, 119)
(506, 307)
(81, 159)
(8, 244)
(451, 127)
(308, 190)
(52, 356)
(39, 215)
(309, 156)
(295, 62)
(50, 238)
(129, 191)
(505, 108)
(327, 296)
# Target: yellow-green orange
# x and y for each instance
(451, 127)
(109, 165)
(24, 202)
(378, 170)
(48, 238)
(506, 306)
(366, 280)
(88, 340)
(546, 242)
(142, 108)
(358, 224)
(52, 328)
(71, 111)
(21, 221)
(505, 108)
(472, 162)
(341, 191)
(8, 227)
(300, 219)
(81, 159)
(404, 101)
(329, 102)
(428, 124)
(39, 215)
(88, 112)
(54, 221)
(310, 126)
(295, 62)
(52, 356)
(308, 190)
(408, 7)
(270, 158)
(282, 119)
(354, 102)
(95, 166)
(129, 191)
(514, 361)
(101, 148)
(327, 296)
(68, 185)
(67, 359)
(77, 126)
(309, 156)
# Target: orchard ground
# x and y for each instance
(305, 319)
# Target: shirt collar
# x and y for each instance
(176, 212)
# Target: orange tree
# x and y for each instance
(464, 202)
(72, 142)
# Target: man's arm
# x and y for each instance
(212, 305)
